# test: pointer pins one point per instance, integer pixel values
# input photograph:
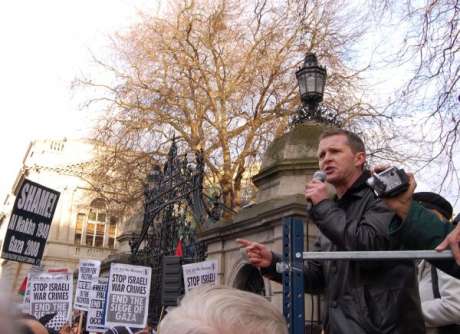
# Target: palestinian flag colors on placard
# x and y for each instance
(22, 288)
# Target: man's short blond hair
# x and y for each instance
(223, 310)
(354, 141)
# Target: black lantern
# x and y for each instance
(312, 79)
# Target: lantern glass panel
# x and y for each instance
(310, 83)
(319, 83)
(302, 84)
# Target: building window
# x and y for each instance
(96, 228)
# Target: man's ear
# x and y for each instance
(360, 159)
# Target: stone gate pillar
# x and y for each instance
(288, 164)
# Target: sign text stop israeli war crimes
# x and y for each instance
(128, 295)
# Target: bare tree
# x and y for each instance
(219, 74)
(430, 48)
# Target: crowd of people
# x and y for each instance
(360, 297)
(209, 310)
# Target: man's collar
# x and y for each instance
(358, 186)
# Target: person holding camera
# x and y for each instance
(360, 296)
(420, 229)
(439, 292)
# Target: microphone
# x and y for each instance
(320, 176)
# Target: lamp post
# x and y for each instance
(312, 79)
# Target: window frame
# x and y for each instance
(98, 217)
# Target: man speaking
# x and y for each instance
(361, 297)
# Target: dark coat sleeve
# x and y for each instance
(368, 234)
(424, 230)
(312, 273)
(421, 229)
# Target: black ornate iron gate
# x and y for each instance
(174, 210)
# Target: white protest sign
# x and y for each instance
(25, 307)
(95, 319)
(88, 273)
(199, 274)
(128, 296)
(34, 271)
(51, 293)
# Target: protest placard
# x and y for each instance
(95, 319)
(30, 223)
(128, 296)
(88, 273)
(51, 293)
(199, 274)
(34, 270)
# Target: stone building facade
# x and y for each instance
(83, 227)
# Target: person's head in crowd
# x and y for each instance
(23, 328)
(31, 326)
(121, 330)
(66, 329)
(27, 324)
(342, 156)
(146, 330)
(8, 310)
(436, 203)
(223, 310)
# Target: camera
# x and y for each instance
(389, 183)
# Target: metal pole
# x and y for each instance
(293, 289)
(378, 255)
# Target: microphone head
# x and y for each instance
(319, 175)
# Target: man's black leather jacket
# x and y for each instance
(361, 297)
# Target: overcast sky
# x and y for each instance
(45, 45)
